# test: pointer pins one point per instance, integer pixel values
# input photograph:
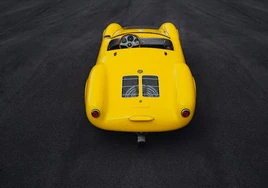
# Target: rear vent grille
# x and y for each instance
(130, 86)
(150, 86)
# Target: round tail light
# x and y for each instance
(95, 113)
(185, 112)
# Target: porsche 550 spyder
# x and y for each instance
(140, 82)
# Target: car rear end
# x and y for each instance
(141, 94)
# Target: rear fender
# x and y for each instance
(185, 86)
(95, 89)
(194, 84)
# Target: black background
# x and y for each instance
(47, 49)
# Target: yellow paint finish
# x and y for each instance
(138, 31)
(177, 88)
(141, 118)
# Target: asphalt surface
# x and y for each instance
(47, 49)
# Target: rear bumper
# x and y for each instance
(155, 125)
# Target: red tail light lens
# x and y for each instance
(185, 113)
(95, 113)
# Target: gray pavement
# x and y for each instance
(47, 49)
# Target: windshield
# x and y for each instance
(161, 43)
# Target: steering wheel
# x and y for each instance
(129, 41)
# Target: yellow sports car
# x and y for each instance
(141, 82)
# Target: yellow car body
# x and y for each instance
(138, 106)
